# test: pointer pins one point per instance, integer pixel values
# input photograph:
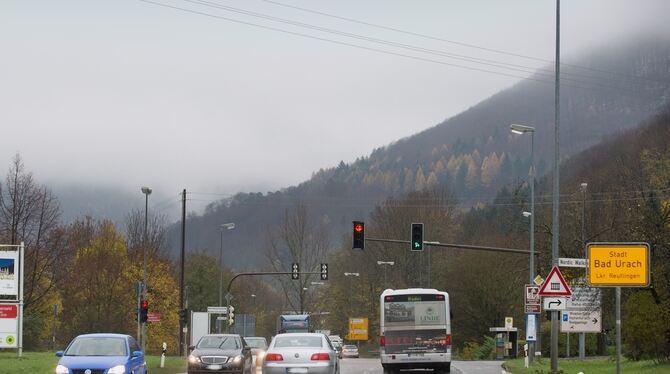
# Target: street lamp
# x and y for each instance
(522, 130)
(227, 226)
(582, 336)
(350, 293)
(146, 191)
(385, 264)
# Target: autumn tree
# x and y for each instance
(299, 238)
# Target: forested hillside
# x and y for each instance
(627, 199)
(472, 153)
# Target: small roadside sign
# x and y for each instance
(8, 325)
(153, 317)
(618, 264)
(572, 262)
(509, 322)
(538, 280)
(555, 284)
(532, 299)
(555, 303)
(531, 330)
(217, 309)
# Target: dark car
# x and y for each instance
(102, 353)
(258, 346)
(220, 353)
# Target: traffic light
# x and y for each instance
(144, 311)
(324, 272)
(295, 271)
(183, 316)
(417, 237)
(231, 316)
(359, 235)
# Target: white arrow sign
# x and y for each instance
(581, 321)
(555, 303)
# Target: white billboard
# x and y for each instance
(9, 273)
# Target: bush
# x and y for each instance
(476, 351)
(644, 327)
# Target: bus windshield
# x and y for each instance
(415, 323)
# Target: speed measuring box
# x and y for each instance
(618, 264)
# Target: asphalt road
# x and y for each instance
(373, 366)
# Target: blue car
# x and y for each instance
(102, 354)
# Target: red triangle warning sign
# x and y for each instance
(555, 284)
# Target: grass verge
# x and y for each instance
(45, 363)
(600, 365)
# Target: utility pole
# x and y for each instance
(556, 190)
(146, 191)
(182, 340)
(582, 336)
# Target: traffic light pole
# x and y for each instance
(459, 246)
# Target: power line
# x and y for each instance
(485, 62)
(452, 41)
(365, 47)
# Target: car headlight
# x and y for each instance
(60, 369)
(236, 359)
(118, 369)
(194, 359)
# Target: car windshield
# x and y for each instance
(256, 342)
(219, 342)
(298, 341)
(97, 346)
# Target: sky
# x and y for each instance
(222, 96)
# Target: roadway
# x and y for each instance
(373, 366)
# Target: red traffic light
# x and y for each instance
(145, 304)
(359, 235)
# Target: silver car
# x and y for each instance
(301, 353)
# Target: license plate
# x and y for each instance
(415, 354)
(214, 367)
(297, 370)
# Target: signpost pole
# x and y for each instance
(21, 267)
(618, 330)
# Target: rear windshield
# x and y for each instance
(298, 341)
(97, 346)
(349, 347)
(256, 343)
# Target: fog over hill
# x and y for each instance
(473, 153)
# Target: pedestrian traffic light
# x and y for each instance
(417, 237)
(324, 272)
(295, 271)
(183, 316)
(359, 235)
(144, 311)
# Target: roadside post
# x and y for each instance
(618, 265)
(163, 351)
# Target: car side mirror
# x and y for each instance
(191, 347)
(59, 354)
(246, 349)
(138, 354)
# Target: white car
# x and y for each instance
(301, 353)
(350, 351)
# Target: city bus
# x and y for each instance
(415, 330)
(293, 323)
